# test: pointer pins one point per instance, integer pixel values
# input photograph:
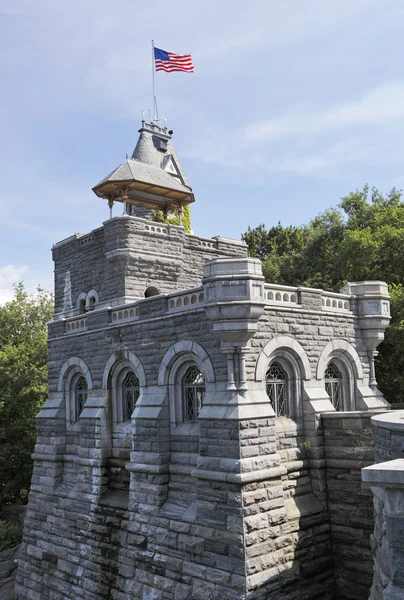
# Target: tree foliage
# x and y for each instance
(174, 219)
(23, 386)
(362, 238)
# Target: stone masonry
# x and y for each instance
(211, 490)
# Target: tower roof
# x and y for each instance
(152, 178)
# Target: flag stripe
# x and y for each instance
(167, 67)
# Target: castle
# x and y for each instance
(198, 438)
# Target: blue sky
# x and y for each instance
(292, 105)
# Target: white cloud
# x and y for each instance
(377, 106)
(9, 276)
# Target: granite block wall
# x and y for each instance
(237, 505)
(125, 256)
(387, 484)
(349, 446)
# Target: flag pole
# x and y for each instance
(155, 109)
(153, 69)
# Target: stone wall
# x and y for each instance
(388, 432)
(387, 484)
(125, 256)
(8, 567)
(232, 505)
(348, 445)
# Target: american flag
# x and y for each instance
(169, 62)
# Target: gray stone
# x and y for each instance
(140, 496)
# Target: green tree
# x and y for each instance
(362, 238)
(174, 219)
(23, 386)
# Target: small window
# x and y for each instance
(277, 389)
(80, 395)
(91, 303)
(193, 393)
(130, 394)
(333, 385)
(151, 291)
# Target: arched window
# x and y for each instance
(333, 385)
(278, 389)
(80, 396)
(151, 291)
(193, 393)
(130, 394)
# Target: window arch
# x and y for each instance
(283, 384)
(75, 383)
(80, 395)
(193, 392)
(277, 388)
(174, 365)
(129, 394)
(92, 299)
(334, 385)
(339, 383)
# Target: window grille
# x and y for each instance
(80, 395)
(333, 385)
(130, 394)
(277, 390)
(193, 393)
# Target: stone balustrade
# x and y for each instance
(185, 300)
(280, 293)
(332, 301)
(75, 325)
(127, 313)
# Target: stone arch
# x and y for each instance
(193, 351)
(124, 356)
(92, 294)
(74, 363)
(81, 299)
(151, 291)
(343, 350)
(277, 344)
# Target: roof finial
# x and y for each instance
(127, 156)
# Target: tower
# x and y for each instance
(152, 179)
(181, 452)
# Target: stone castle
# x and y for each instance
(204, 431)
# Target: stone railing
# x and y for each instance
(76, 325)
(127, 313)
(280, 294)
(333, 301)
(156, 229)
(185, 300)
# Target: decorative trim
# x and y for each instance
(271, 348)
(337, 348)
(186, 347)
(124, 356)
(74, 361)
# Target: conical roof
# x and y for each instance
(153, 177)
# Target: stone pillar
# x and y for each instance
(239, 474)
(373, 305)
(150, 454)
(387, 484)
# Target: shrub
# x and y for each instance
(10, 534)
